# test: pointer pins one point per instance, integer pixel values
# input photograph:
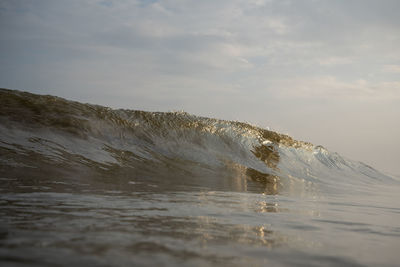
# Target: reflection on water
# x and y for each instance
(204, 226)
(264, 206)
(46, 222)
(100, 214)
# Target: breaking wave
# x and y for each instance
(51, 138)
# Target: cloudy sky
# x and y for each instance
(321, 71)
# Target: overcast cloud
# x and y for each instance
(322, 71)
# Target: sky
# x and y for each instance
(327, 72)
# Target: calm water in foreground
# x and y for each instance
(89, 226)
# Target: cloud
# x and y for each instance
(330, 87)
(391, 68)
(330, 61)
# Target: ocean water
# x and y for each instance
(86, 185)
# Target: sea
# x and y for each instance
(87, 185)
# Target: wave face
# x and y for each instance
(47, 136)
